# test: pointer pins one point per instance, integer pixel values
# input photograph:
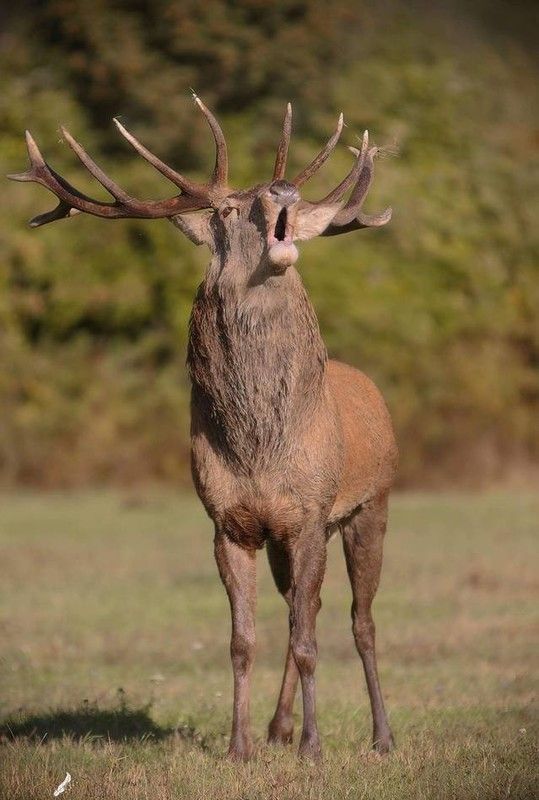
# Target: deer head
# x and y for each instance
(261, 223)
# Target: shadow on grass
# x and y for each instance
(89, 723)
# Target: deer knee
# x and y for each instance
(242, 651)
(363, 630)
(305, 654)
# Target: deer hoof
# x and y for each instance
(281, 731)
(240, 752)
(309, 748)
(384, 744)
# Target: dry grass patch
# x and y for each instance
(114, 662)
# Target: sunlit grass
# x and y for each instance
(115, 659)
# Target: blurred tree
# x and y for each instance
(440, 308)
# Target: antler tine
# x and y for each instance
(187, 186)
(73, 201)
(360, 190)
(116, 191)
(374, 220)
(61, 211)
(322, 156)
(42, 173)
(364, 147)
(360, 221)
(337, 194)
(37, 163)
(220, 171)
(282, 151)
(351, 217)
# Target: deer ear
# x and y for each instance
(195, 226)
(312, 220)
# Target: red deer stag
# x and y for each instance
(287, 446)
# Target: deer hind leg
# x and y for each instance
(281, 727)
(237, 567)
(363, 537)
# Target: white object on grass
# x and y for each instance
(63, 786)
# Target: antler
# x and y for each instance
(351, 217)
(316, 163)
(282, 150)
(194, 196)
(322, 156)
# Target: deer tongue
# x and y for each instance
(283, 255)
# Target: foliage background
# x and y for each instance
(440, 308)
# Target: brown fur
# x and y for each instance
(287, 447)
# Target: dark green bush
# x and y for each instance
(440, 308)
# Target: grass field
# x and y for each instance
(115, 668)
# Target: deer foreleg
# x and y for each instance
(237, 568)
(281, 727)
(308, 562)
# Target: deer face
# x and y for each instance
(254, 227)
(256, 230)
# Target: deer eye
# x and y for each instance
(226, 210)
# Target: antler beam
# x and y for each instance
(193, 196)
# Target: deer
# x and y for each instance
(288, 447)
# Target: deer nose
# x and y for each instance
(284, 193)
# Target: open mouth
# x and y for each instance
(281, 232)
(281, 250)
(280, 222)
(280, 226)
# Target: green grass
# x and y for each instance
(114, 660)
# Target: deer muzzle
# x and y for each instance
(279, 204)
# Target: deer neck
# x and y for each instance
(256, 360)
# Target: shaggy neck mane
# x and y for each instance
(256, 360)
